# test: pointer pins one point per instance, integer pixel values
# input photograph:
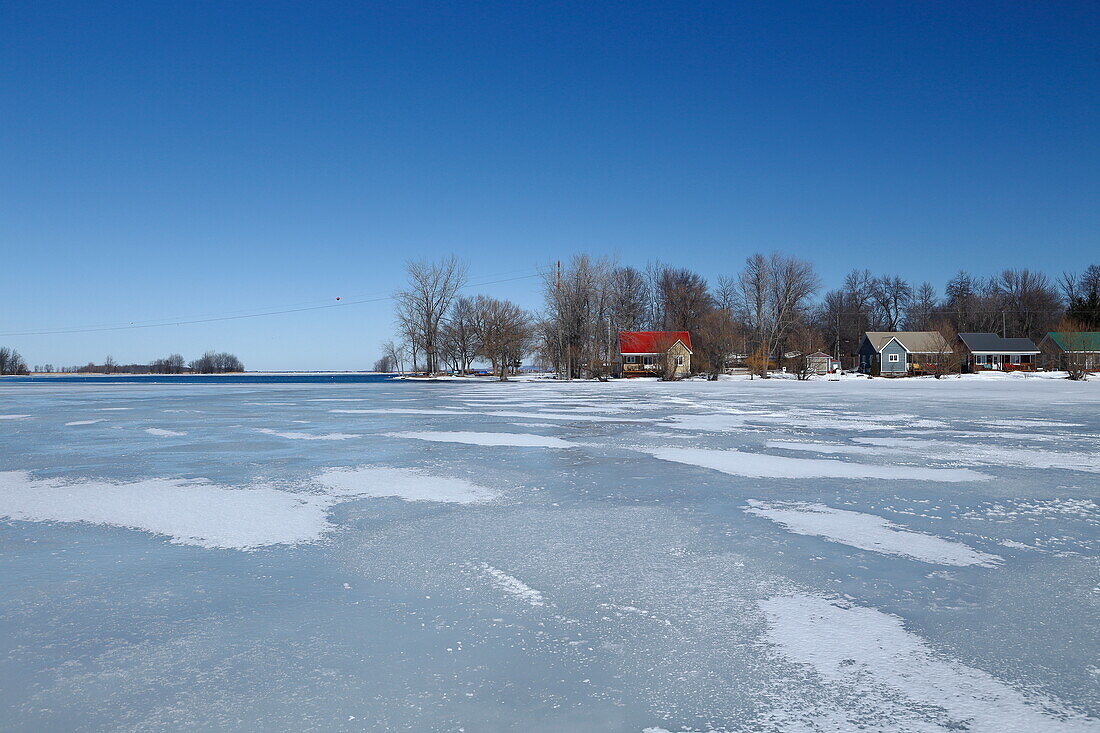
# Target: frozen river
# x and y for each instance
(911, 555)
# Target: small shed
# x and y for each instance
(821, 363)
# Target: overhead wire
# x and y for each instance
(238, 315)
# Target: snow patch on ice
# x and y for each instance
(399, 411)
(189, 512)
(760, 465)
(291, 435)
(831, 448)
(521, 440)
(511, 585)
(82, 422)
(13, 417)
(868, 532)
(403, 483)
(991, 455)
(870, 656)
(164, 433)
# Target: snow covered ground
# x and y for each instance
(858, 555)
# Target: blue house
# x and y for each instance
(898, 353)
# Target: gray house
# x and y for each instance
(897, 353)
(991, 352)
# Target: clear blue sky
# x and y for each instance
(171, 160)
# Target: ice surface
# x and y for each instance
(772, 556)
(868, 532)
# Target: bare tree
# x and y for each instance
(214, 362)
(947, 358)
(383, 364)
(1076, 356)
(396, 355)
(1029, 303)
(460, 333)
(1082, 295)
(758, 362)
(803, 342)
(667, 359)
(684, 299)
(423, 304)
(922, 308)
(171, 364)
(716, 339)
(578, 316)
(504, 332)
(11, 363)
(892, 297)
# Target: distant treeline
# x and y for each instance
(212, 362)
(773, 305)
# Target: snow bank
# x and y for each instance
(868, 532)
(188, 512)
(760, 465)
(522, 440)
(893, 675)
(403, 483)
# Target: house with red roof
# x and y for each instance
(654, 354)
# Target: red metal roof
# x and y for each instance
(650, 342)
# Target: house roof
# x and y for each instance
(915, 342)
(649, 342)
(818, 355)
(1083, 341)
(991, 343)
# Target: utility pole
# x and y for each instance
(561, 348)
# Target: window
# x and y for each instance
(979, 360)
(894, 358)
(1015, 360)
(631, 360)
(1025, 359)
(680, 360)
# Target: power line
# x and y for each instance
(234, 315)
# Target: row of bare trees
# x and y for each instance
(209, 363)
(442, 331)
(11, 363)
(1017, 302)
(766, 315)
(589, 300)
